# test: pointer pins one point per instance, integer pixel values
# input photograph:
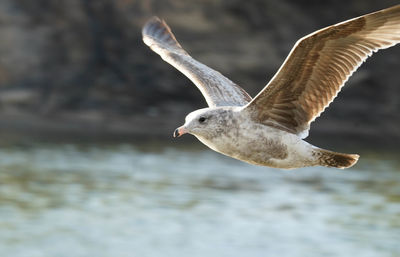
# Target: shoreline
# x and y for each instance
(84, 128)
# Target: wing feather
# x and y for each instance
(319, 65)
(216, 89)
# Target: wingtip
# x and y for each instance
(150, 23)
(153, 20)
(157, 32)
(154, 24)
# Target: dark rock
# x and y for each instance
(86, 58)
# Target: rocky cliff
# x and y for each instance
(79, 66)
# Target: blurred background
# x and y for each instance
(88, 166)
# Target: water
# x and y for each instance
(127, 200)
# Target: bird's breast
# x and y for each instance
(253, 143)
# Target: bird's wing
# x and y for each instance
(216, 89)
(318, 66)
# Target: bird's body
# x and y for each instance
(238, 136)
(269, 129)
(260, 144)
(241, 138)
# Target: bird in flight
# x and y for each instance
(269, 129)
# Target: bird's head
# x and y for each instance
(205, 123)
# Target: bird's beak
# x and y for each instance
(180, 131)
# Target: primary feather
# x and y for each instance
(319, 65)
(216, 89)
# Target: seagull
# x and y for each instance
(269, 129)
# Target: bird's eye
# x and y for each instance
(202, 119)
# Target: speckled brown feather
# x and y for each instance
(216, 89)
(319, 65)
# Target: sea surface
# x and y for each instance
(142, 200)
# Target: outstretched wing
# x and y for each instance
(216, 89)
(318, 66)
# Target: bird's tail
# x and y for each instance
(333, 159)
